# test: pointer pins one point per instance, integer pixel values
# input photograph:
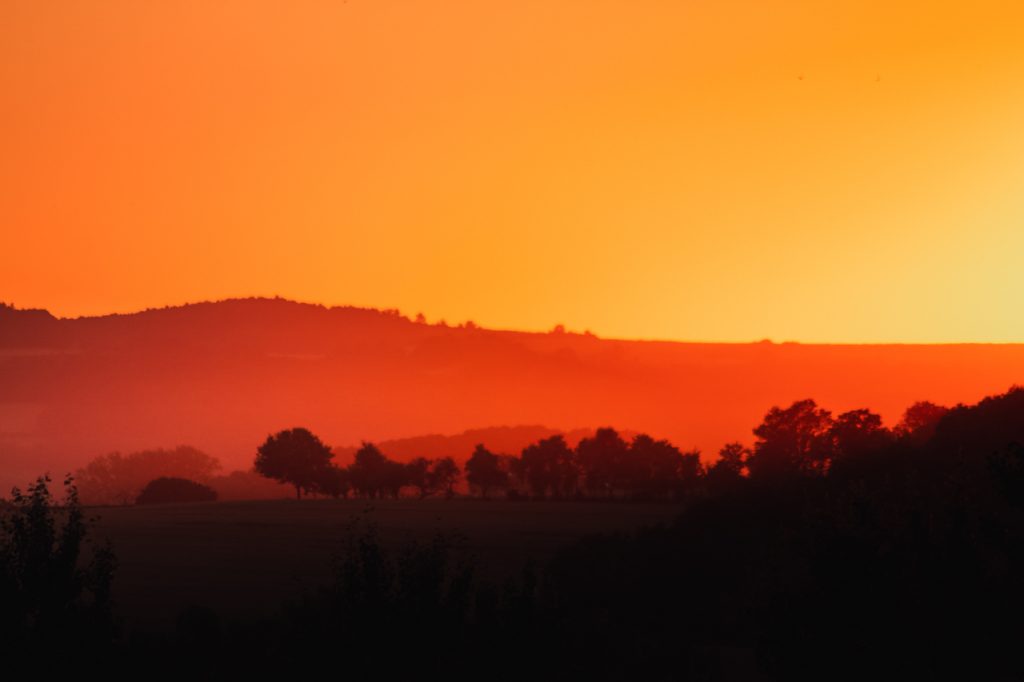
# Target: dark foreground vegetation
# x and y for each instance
(243, 559)
(833, 549)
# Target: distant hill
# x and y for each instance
(221, 376)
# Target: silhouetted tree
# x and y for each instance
(565, 471)
(334, 481)
(691, 473)
(656, 468)
(419, 476)
(919, 422)
(369, 472)
(727, 473)
(966, 436)
(294, 456)
(513, 466)
(549, 465)
(167, 489)
(395, 476)
(373, 475)
(484, 472)
(445, 474)
(856, 434)
(603, 461)
(791, 441)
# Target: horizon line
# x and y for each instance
(442, 322)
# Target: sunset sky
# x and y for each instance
(696, 170)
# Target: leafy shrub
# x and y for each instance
(168, 489)
(54, 587)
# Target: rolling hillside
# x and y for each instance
(221, 376)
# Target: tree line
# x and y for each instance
(802, 439)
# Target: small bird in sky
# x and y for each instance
(800, 77)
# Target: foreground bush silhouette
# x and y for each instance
(166, 490)
(54, 587)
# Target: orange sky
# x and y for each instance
(641, 169)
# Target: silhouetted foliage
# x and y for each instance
(418, 474)
(919, 421)
(657, 469)
(335, 482)
(374, 475)
(297, 457)
(791, 441)
(726, 475)
(484, 472)
(513, 466)
(549, 466)
(977, 430)
(445, 474)
(855, 434)
(118, 479)
(602, 459)
(167, 489)
(54, 584)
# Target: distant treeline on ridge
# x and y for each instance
(800, 439)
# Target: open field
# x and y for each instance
(245, 559)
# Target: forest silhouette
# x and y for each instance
(833, 547)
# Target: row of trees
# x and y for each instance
(804, 439)
(800, 440)
(299, 458)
